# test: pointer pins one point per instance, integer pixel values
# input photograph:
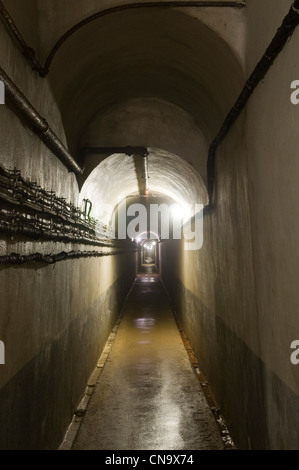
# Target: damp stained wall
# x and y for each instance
(237, 297)
(54, 319)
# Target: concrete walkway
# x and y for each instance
(148, 396)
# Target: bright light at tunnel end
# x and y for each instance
(175, 221)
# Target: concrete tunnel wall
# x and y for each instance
(150, 54)
(148, 122)
(237, 297)
(169, 175)
(55, 319)
(78, 297)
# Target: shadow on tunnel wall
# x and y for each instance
(257, 404)
(38, 403)
(214, 294)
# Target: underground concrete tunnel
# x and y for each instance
(148, 164)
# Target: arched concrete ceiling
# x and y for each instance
(148, 122)
(56, 17)
(159, 54)
(117, 177)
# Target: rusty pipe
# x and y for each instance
(38, 123)
(129, 150)
(27, 51)
(286, 29)
(30, 54)
(145, 174)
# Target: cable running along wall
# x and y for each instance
(30, 211)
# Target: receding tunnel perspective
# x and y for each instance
(149, 257)
(148, 232)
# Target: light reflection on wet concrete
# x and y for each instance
(148, 396)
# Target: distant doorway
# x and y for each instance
(149, 256)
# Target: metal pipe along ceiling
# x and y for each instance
(170, 176)
(30, 54)
(145, 174)
(287, 28)
(141, 152)
(38, 123)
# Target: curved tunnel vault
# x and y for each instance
(165, 80)
(166, 55)
(119, 176)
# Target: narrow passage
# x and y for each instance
(148, 396)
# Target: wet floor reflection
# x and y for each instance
(148, 396)
(144, 323)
